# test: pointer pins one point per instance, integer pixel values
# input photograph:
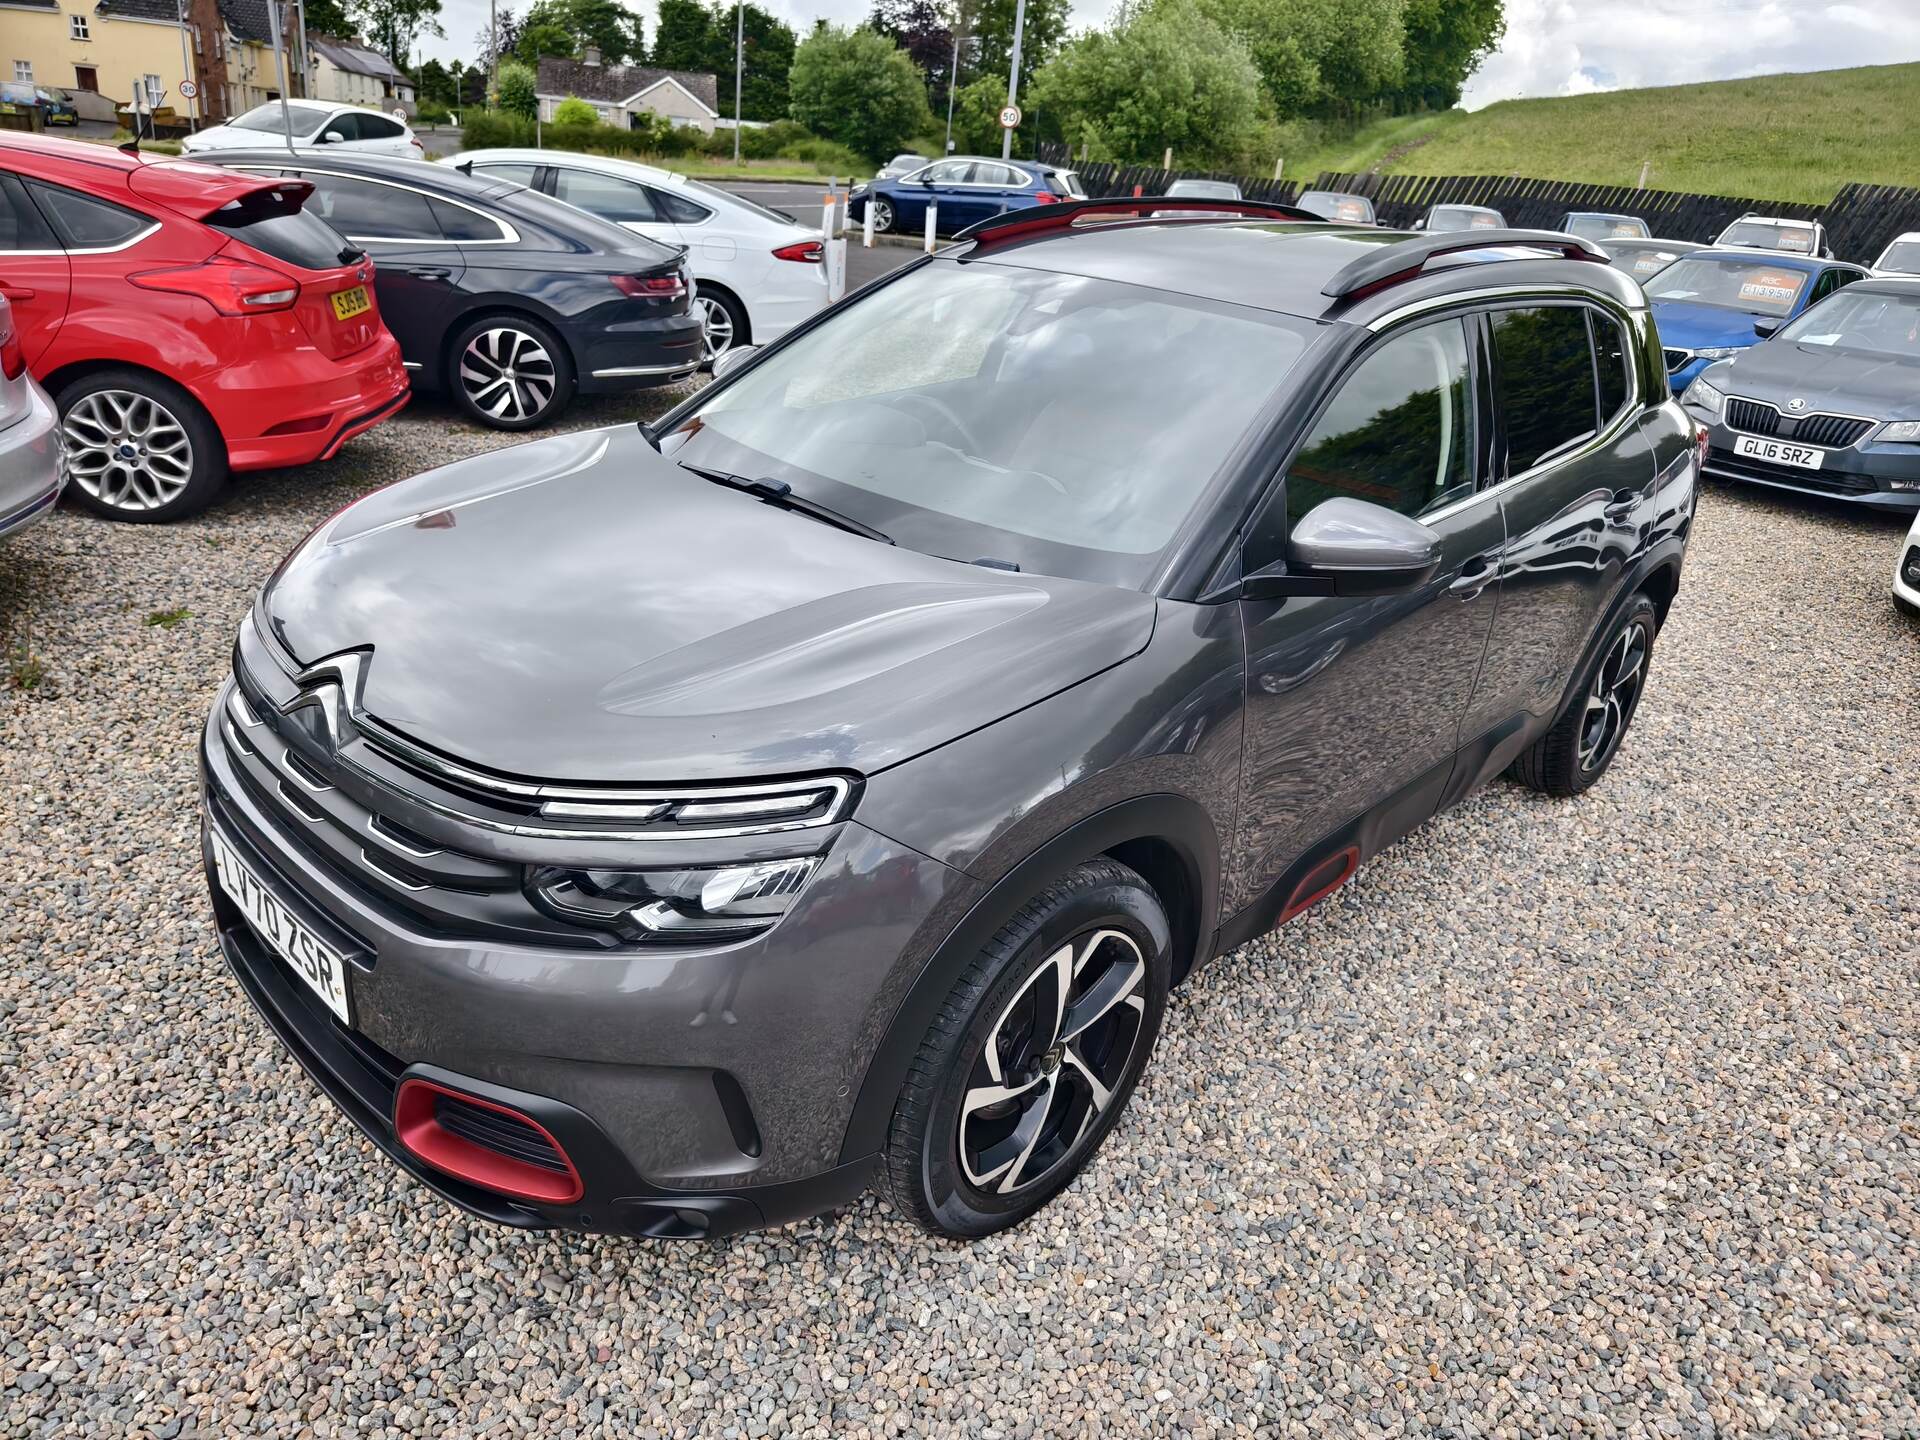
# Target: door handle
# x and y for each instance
(15, 293)
(1625, 502)
(1476, 573)
(430, 272)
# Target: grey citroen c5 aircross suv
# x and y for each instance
(672, 830)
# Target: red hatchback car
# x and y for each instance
(187, 321)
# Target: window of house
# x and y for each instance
(77, 27)
(153, 88)
(1400, 430)
(23, 71)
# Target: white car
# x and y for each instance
(1906, 572)
(1901, 258)
(757, 273)
(1770, 232)
(350, 127)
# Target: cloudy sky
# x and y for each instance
(1552, 47)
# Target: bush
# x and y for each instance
(517, 90)
(859, 88)
(495, 130)
(432, 112)
(575, 111)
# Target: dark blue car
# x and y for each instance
(967, 188)
(1708, 302)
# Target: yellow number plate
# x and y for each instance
(349, 303)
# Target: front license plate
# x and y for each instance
(349, 303)
(319, 968)
(1779, 452)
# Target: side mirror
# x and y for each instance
(733, 360)
(1765, 328)
(333, 137)
(1349, 547)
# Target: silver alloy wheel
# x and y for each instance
(508, 374)
(127, 450)
(716, 328)
(1611, 697)
(1052, 1061)
(882, 215)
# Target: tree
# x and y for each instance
(684, 39)
(858, 87)
(992, 42)
(332, 17)
(517, 95)
(496, 42)
(575, 111)
(1446, 41)
(436, 81)
(1167, 76)
(1318, 56)
(690, 36)
(918, 28)
(541, 38)
(602, 23)
(391, 26)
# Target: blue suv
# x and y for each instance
(1711, 304)
(967, 189)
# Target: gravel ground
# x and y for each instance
(1589, 1118)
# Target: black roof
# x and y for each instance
(1284, 265)
(168, 10)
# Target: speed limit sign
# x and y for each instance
(398, 113)
(1010, 117)
(189, 90)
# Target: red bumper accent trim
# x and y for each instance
(1321, 881)
(416, 1128)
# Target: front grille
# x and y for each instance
(1829, 432)
(1676, 358)
(1825, 482)
(499, 1132)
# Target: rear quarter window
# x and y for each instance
(85, 223)
(461, 224)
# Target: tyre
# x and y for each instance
(511, 372)
(1033, 1056)
(139, 447)
(1583, 741)
(723, 323)
(882, 215)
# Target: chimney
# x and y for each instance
(590, 56)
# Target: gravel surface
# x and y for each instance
(1593, 1117)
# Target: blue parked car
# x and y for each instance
(1711, 304)
(967, 188)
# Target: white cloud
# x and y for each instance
(1553, 47)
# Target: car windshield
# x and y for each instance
(1751, 286)
(1755, 235)
(1205, 189)
(269, 121)
(1607, 227)
(1640, 261)
(1459, 217)
(1064, 424)
(1875, 324)
(1903, 256)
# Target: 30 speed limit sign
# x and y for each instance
(188, 90)
(1010, 117)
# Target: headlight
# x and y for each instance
(1705, 396)
(1718, 352)
(1900, 431)
(708, 905)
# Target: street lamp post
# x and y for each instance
(739, 66)
(1013, 78)
(953, 80)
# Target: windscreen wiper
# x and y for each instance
(780, 494)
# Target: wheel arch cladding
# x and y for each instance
(1168, 839)
(1662, 586)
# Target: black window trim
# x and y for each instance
(508, 236)
(60, 232)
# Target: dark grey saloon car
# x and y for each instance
(670, 830)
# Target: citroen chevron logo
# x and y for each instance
(333, 688)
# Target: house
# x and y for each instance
(619, 92)
(110, 48)
(355, 74)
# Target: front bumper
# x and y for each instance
(294, 406)
(638, 1060)
(1881, 477)
(1906, 570)
(31, 474)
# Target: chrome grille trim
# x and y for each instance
(1800, 423)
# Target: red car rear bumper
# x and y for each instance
(289, 407)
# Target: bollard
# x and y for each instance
(826, 216)
(866, 225)
(933, 211)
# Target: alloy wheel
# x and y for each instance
(1611, 697)
(882, 216)
(508, 374)
(717, 328)
(1052, 1062)
(127, 450)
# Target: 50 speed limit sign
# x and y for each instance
(1010, 117)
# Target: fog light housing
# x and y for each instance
(708, 905)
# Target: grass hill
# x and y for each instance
(1772, 137)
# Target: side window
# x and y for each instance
(604, 195)
(949, 172)
(85, 223)
(1546, 388)
(363, 211)
(377, 127)
(518, 174)
(21, 227)
(678, 208)
(1610, 352)
(995, 175)
(457, 222)
(346, 125)
(1399, 432)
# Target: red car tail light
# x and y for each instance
(651, 287)
(1045, 197)
(13, 358)
(233, 287)
(809, 252)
